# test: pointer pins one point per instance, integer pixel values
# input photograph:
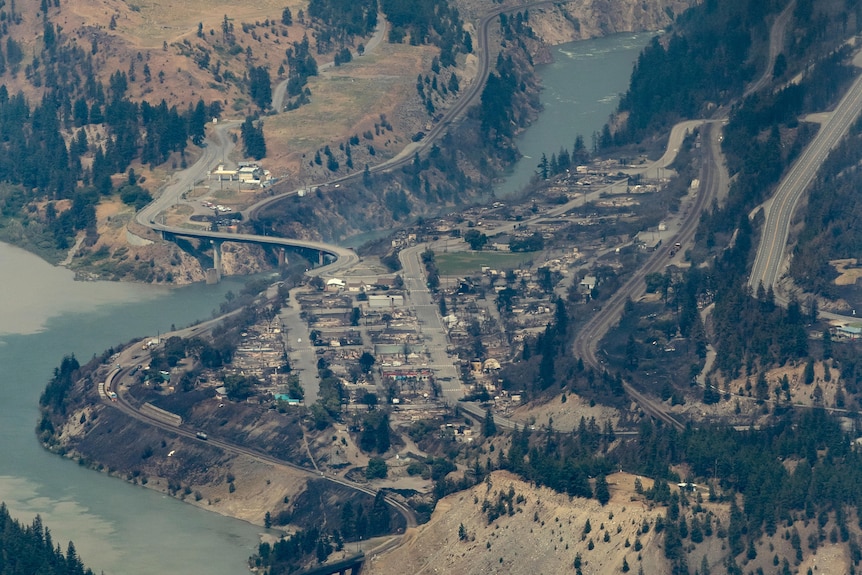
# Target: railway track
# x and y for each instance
(587, 341)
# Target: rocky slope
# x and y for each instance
(584, 19)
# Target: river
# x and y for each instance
(117, 527)
(120, 528)
(580, 89)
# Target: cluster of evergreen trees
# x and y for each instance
(356, 521)
(253, 140)
(260, 86)
(345, 19)
(30, 549)
(428, 21)
(547, 364)
(564, 463)
(37, 159)
(433, 88)
(302, 66)
(706, 59)
(497, 102)
(564, 160)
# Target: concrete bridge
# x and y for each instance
(330, 258)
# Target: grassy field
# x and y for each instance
(348, 100)
(465, 263)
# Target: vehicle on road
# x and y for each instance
(201, 435)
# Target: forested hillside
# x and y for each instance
(714, 50)
(831, 221)
(762, 137)
(30, 549)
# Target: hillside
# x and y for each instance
(543, 535)
(158, 46)
(104, 65)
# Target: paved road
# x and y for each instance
(345, 257)
(218, 146)
(430, 324)
(776, 46)
(654, 169)
(427, 313)
(586, 343)
(770, 252)
(303, 359)
(469, 97)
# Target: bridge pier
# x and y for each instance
(214, 274)
(320, 257)
(281, 259)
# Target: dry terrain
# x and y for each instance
(543, 535)
(849, 269)
(566, 415)
(347, 100)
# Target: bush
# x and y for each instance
(377, 469)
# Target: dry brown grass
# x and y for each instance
(849, 270)
(348, 100)
(144, 27)
(543, 537)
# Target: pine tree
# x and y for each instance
(603, 495)
(489, 428)
(808, 374)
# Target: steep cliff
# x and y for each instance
(584, 19)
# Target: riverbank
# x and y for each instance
(256, 490)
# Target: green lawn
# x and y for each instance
(466, 263)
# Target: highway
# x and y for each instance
(586, 343)
(770, 251)
(713, 185)
(220, 145)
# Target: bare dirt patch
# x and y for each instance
(744, 407)
(849, 269)
(258, 488)
(565, 416)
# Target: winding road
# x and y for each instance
(713, 185)
(469, 97)
(587, 341)
(219, 146)
(779, 210)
